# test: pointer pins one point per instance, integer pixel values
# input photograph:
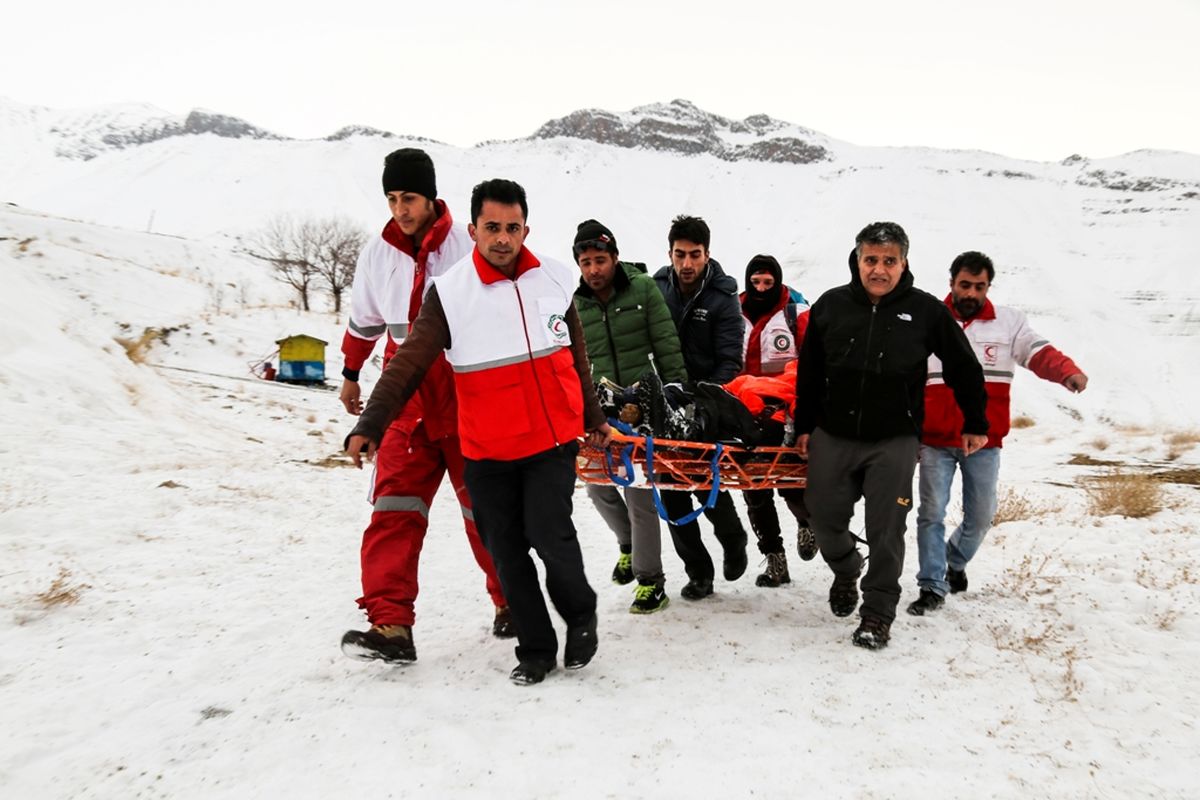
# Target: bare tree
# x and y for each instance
(289, 245)
(305, 251)
(337, 255)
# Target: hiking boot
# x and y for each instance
(503, 626)
(528, 673)
(581, 644)
(806, 542)
(928, 601)
(648, 598)
(957, 578)
(843, 595)
(623, 571)
(391, 644)
(655, 411)
(776, 573)
(873, 633)
(696, 590)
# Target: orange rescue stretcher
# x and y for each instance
(671, 464)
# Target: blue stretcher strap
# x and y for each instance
(626, 457)
(709, 502)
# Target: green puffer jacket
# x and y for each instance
(634, 323)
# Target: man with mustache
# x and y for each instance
(1002, 339)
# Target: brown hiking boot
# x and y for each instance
(391, 644)
(776, 573)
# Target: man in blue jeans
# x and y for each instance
(1002, 339)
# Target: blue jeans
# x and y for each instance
(979, 474)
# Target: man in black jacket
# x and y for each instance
(860, 390)
(704, 306)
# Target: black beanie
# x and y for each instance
(409, 170)
(763, 263)
(755, 304)
(593, 233)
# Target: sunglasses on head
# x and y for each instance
(602, 243)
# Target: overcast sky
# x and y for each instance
(1038, 80)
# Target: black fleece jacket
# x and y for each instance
(863, 366)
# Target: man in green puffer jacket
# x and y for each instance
(626, 321)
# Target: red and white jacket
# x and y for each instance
(769, 344)
(510, 349)
(389, 284)
(1002, 340)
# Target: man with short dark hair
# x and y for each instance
(704, 306)
(859, 398)
(1002, 339)
(505, 320)
(626, 324)
(419, 241)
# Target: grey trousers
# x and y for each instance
(635, 522)
(840, 471)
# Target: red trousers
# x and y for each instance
(408, 470)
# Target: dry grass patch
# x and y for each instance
(63, 591)
(1014, 506)
(1022, 421)
(1100, 444)
(1184, 438)
(1125, 494)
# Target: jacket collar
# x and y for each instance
(526, 261)
(987, 312)
(433, 239)
(620, 283)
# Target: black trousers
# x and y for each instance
(840, 471)
(727, 527)
(523, 505)
(764, 519)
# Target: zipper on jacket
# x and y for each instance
(612, 346)
(533, 366)
(862, 384)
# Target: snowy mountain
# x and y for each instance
(179, 540)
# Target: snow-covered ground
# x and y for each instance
(179, 552)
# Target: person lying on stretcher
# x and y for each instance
(749, 410)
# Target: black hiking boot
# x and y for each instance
(957, 578)
(503, 626)
(928, 601)
(806, 542)
(581, 644)
(873, 633)
(843, 595)
(623, 571)
(776, 573)
(655, 411)
(528, 673)
(696, 590)
(391, 644)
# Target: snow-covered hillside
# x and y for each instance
(179, 540)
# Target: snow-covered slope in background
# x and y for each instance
(203, 524)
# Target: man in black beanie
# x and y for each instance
(420, 240)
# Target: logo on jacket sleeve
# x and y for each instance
(782, 342)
